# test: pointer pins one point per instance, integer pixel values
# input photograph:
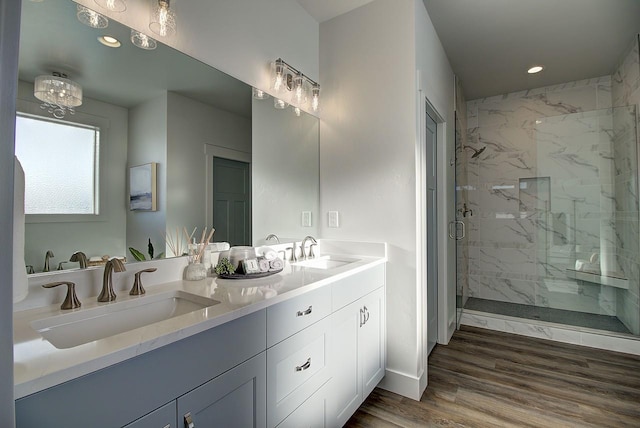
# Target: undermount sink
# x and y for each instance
(84, 326)
(325, 262)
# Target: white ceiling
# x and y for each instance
(491, 43)
(323, 10)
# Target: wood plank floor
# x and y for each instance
(485, 378)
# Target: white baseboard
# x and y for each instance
(403, 384)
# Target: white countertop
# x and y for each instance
(39, 365)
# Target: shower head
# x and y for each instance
(477, 153)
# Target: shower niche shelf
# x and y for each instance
(610, 280)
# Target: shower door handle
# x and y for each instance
(453, 230)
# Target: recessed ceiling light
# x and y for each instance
(112, 42)
(535, 69)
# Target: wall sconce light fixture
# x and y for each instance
(163, 19)
(112, 5)
(58, 94)
(91, 18)
(143, 41)
(289, 83)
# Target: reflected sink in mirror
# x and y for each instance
(325, 262)
(84, 326)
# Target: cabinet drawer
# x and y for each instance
(164, 417)
(296, 368)
(288, 318)
(311, 414)
(353, 287)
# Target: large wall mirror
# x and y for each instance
(221, 157)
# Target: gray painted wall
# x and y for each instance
(9, 39)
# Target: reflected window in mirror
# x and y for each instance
(60, 161)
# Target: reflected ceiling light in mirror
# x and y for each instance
(109, 41)
(112, 5)
(280, 104)
(163, 19)
(91, 18)
(285, 78)
(58, 94)
(535, 69)
(143, 41)
(259, 94)
(297, 111)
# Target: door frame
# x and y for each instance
(210, 152)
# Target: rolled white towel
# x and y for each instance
(263, 264)
(276, 264)
(268, 253)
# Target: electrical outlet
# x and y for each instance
(306, 218)
(333, 219)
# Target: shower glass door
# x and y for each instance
(463, 214)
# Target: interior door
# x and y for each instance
(232, 201)
(432, 234)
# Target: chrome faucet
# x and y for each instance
(113, 265)
(303, 249)
(47, 256)
(272, 236)
(79, 257)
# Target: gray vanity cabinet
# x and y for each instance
(164, 417)
(212, 369)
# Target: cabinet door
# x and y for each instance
(164, 417)
(371, 341)
(311, 414)
(236, 398)
(345, 387)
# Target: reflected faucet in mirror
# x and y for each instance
(273, 236)
(49, 255)
(79, 257)
(113, 265)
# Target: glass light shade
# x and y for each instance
(58, 94)
(297, 111)
(279, 104)
(298, 90)
(315, 98)
(143, 41)
(259, 94)
(112, 5)
(163, 19)
(91, 18)
(278, 76)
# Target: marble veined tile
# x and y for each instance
(502, 166)
(503, 289)
(569, 294)
(575, 99)
(516, 260)
(509, 231)
(507, 139)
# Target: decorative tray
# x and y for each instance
(248, 276)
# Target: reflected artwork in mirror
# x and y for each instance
(165, 107)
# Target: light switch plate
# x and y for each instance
(306, 218)
(333, 219)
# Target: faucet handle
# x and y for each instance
(137, 288)
(71, 300)
(293, 249)
(312, 255)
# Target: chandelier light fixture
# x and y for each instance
(163, 19)
(288, 83)
(58, 94)
(112, 5)
(91, 18)
(143, 41)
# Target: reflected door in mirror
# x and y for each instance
(231, 201)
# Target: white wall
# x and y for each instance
(148, 143)
(239, 37)
(191, 125)
(285, 172)
(9, 39)
(369, 136)
(94, 238)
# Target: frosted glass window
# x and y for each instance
(60, 162)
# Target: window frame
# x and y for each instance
(33, 110)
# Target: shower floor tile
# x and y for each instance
(560, 316)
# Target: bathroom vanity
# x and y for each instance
(300, 348)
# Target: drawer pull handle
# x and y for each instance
(306, 312)
(188, 421)
(304, 366)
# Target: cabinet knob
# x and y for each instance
(305, 312)
(188, 421)
(304, 366)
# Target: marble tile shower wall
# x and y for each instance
(625, 90)
(519, 249)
